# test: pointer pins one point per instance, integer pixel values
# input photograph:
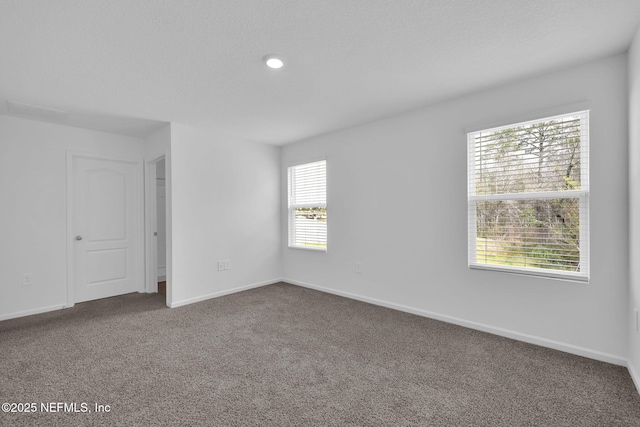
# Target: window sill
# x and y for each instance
(308, 248)
(534, 272)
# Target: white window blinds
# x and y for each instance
(528, 197)
(307, 190)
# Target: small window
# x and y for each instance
(307, 190)
(528, 197)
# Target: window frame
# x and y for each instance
(291, 208)
(582, 194)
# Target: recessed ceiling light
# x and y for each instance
(273, 61)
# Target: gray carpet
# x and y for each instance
(282, 355)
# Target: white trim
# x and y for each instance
(634, 375)
(32, 312)
(518, 336)
(585, 208)
(188, 301)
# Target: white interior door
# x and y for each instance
(105, 224)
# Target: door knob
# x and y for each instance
(78, 237)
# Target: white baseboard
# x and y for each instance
(188, 301)
(31, 312)
(543, 342)
(634, 375)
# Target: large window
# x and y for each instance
(307, 189)
(528, 197)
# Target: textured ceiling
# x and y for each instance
(198, 62)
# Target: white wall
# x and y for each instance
(397, 204)
(33, 207)
(225, 196)
(634, 205)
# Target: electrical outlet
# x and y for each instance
(227, 264)
(359, 267)
(27, 279)
(220, 265)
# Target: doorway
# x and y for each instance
(161, 227)
(156, 228)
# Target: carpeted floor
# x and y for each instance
(282, 355)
